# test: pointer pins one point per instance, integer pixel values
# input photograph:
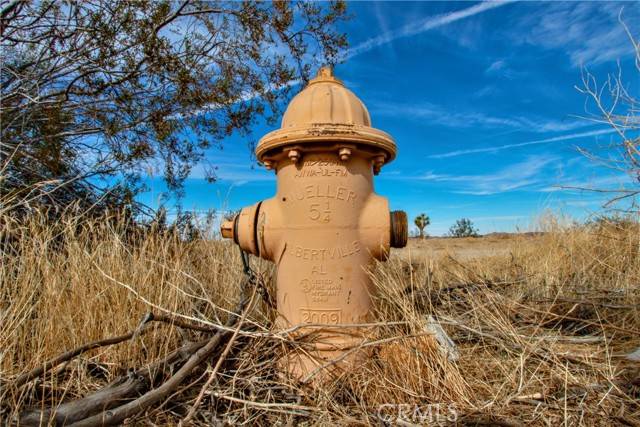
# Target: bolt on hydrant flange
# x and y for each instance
(325, 225)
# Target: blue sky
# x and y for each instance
(481, 100)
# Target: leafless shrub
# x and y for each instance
(618, 107)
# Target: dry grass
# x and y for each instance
(542, 329)
(465, 248)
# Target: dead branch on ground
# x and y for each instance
(113, 404)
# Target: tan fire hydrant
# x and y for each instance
(325, 225)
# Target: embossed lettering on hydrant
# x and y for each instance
(328, 191)
(327, 316)
(321, 254)
(320, 289)
(320, 168)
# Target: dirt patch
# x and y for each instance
(464, 248)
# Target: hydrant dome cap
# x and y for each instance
(326, 111)
(325, 100)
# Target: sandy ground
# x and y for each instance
(463, 248)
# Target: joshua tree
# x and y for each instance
(421, 222)
(463, 228)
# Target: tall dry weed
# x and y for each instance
(542, 333)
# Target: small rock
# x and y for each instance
(447, 346)
(634, 355)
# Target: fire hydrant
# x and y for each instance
(325, 225)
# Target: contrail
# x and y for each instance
(420, 27)
(243, 97)
(521, 144)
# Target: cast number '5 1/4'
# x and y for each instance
(320, 212)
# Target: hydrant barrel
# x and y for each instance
(325, 226)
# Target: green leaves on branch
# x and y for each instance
(95, 93)
(463, 228)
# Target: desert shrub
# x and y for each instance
(463, 228)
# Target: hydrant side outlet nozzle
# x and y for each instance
(399, 229)
(325, 225)
(226, 229)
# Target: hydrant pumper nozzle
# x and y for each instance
(325, 225)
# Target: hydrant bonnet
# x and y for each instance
(324, 112)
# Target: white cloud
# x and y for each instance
(486, 91)
(381, 16)
(588, 31)
(414, 28)
(501, 68)
(446, 117)
(496, 66)
(243, 97)
(497, 148)
(513, 177)
(238, 171)
(604, 182)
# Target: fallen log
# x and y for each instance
(120, 413)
